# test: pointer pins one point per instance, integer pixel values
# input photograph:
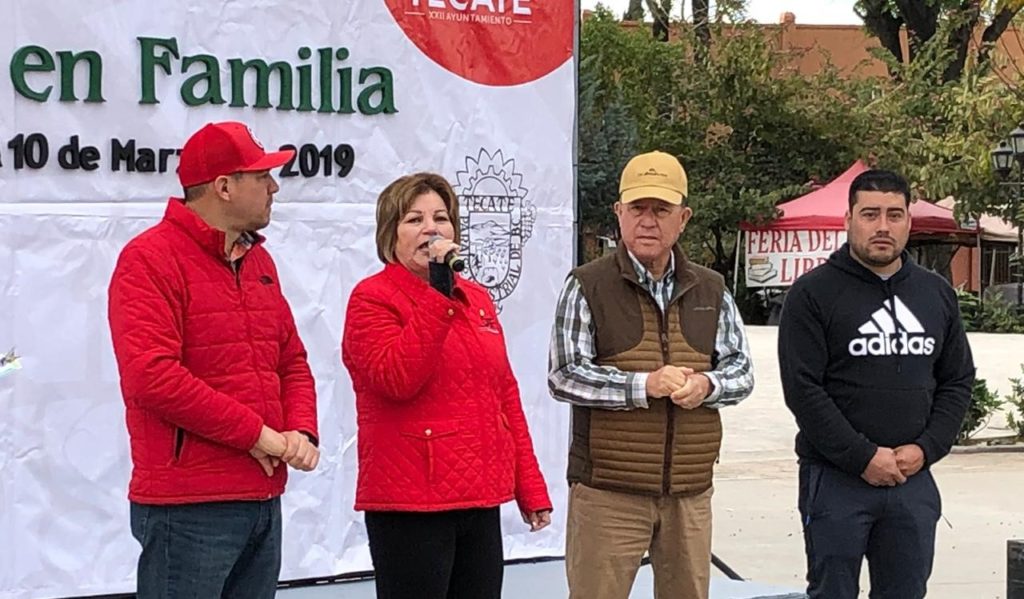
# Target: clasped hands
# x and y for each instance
(686, 388)
(291, 447)
(891, 467)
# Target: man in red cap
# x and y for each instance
(216, 385)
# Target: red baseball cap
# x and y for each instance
(224, 149)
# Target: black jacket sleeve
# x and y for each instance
(954, 379)
(803, 357)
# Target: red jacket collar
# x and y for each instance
(404, 278)
(208, 238)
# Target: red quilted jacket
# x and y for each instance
(441, 426)
(206, 359)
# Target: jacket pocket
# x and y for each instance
(179, 445)
(426, 438)
(508, 464)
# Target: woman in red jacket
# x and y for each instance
(442, 436)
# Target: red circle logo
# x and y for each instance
(493, 42)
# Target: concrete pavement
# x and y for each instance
(757, 529)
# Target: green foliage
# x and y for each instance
(607, 139)
(748, 130)
(943, 110)
(995, 315)
(948, 24)
(939, 134)
(1016, 399)
(751, 131)
(984, 404)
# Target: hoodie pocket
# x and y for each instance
(889, 416)
(812, 476)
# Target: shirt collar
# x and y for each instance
(644, 277)
(241, 246)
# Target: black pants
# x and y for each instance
(846, 519)
(437, 555)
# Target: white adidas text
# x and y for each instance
(892, 345)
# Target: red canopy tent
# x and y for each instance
(812, 226)
(825, 209)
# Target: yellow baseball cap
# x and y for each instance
(654, 175)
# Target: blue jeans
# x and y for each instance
(206, 550)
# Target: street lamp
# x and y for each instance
(1017, 142)
(1003, 157)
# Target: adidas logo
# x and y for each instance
(882, 337)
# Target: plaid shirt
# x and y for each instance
(240, 248)
(573, 377)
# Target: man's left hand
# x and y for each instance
(909, 459)
(300, 454)
(693, 393)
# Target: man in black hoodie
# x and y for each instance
(876, 368)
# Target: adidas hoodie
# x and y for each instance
(868, 363)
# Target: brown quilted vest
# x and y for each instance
(662, 450)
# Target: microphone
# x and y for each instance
(452, 258)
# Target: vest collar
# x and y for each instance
(685, 274)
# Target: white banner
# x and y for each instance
(776, 258)
(94, 102)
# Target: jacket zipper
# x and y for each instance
(236, 268)
(670, 426)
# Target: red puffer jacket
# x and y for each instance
(206, 357)
(441, 426)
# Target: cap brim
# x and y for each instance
(270, 161)
(651, 192)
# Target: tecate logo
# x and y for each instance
(518, 8)
(491, 42)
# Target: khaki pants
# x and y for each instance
(608, 533)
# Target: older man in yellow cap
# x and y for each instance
(646, 347)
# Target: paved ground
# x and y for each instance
(757, 529)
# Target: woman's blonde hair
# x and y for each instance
(396, 200)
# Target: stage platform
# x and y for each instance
(546, 580)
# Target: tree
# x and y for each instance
(943, 110)
(748, 132)
(951, 22)
(660, 12)
(635, 12)
(622, 77)
(607, 139)
(938, 132)
(702, 29)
